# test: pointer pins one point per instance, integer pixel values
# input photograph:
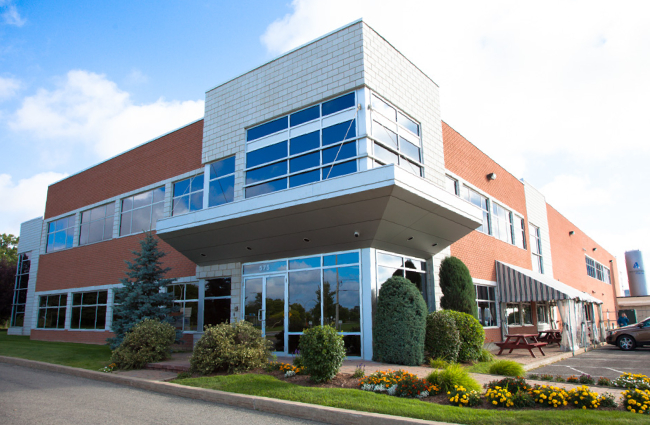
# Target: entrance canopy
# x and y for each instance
(517, 284)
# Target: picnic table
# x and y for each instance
(519, 342)
(550, 336)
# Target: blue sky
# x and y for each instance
(556, 92)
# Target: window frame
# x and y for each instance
(97, 305)
(521, 308)
(103, 219)
(47, 307)
(598, 271)
(495, 302)
(188, 194)
(154, 203)
(228, 177)
(69, 238)
(182, 304)
(535, 235)
(23, 267)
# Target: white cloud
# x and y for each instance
(90, 110)
(8, 87)
(23, 200)
(10, 16)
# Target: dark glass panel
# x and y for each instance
(159, 194)
(142, 199)
(304, 300)
(338, 104)
(304, 263)
(41, 318)
(42, 301)
(408, 123)
(340, 170)
(96, 231)
(222, 168)
(352, 345)
(265, 173)
(181, 205)
(101, 317)
(266, 154)
(269, 187)
(338, 259)
(178, 292)
(125, 224)
(304, 143)
(76, 298)
(88, 316)
(196, 201)
(384, 135)
(222, 191)
(102, 297)
(304, 178)
(305, 161)
(190, 313)
(216, 311)
(383, 108)
(482, 292)
(63, 300)
(274, 325)
(341, 301)
(340, 152)
(384, 155)
(294, 341)
(338, 132)
(268, 128)
(21, 296)
(182, 188)
(219, 287)
(409, 149)
(90, 298)
(141, 220)
(23, 281)
(191, 291)
(18, 319)
(197, 183)
(253, 301)
(305, 115)
(419, 279)
(53, 300)
(83, 234)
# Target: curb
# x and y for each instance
(331, 415)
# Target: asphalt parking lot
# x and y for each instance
(608, 361)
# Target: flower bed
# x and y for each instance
(398, 383)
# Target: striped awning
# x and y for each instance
(517, 284)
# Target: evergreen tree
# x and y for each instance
(140, 297)
(457, 287)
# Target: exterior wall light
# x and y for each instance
(435, 244)
(203, 255)
(410, 239)
(306, 239)
(572, 232)
(249, 248)
(595, 249)
(492, 176)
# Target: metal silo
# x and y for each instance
(636, 273)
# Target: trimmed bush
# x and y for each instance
(322, 352)
(232, 348)
(442, 340)
(457, 287)
(507, 368)
(147, 342)
(451, 377)
(471, 335)
(485, 356)
(400, 323)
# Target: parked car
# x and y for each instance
(630, 337)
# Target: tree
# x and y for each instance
(7, 281)
(141, 297)
(457, 287)
(9, 248)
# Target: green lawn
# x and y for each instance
(268, 386)
(85, 356)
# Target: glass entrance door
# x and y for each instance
(264, 299)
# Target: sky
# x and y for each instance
(556, 92)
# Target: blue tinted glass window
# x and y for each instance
(340, 170)
(304, 162)
(348, 150)
(222, 168)
(267, 154)
(265, 173)
(338, 104)
(347, 258)
(305, 142)
(338, 132)
(269, 187)
(268, 128)
(305, 115)
(304, 263)
(221, 191)
(196, 201)
(182, 187)
(197, 183)
(304, 178)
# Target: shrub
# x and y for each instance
(586, 379)
(438, 363)
(400, 322)
(573, 379)
(514, 385)
(637, 401)
(608, 400)
(454, 375)
(147, 342)
(232, 348)
(582, 398)
(322, 352)
(461, 396)
(533, 376)
(547, 377)
(605, 382)
(183, 375)
(457, 287)
(472, 335)
(559, 378)
(628, 380)
(549, 396)
(359, 371)
(499, 397)
(442, 340)
(522, 399)
(485, 356)
(506, 368)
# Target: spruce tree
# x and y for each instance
(141, 297)
(457, 287)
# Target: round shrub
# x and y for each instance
(457, 287)
(400, 323)
(472, 335)
(322, 352)
(442, 340)
(232, 348)
(147, 342)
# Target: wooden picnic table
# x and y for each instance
(519, 342)
(550, 336)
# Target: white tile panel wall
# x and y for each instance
(536, 208)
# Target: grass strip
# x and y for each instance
(84, 356)
(269, 386)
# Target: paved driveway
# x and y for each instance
(607, 361)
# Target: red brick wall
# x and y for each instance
(101, 263)
(85, 337)
(478, 250)
(163, 158)
(569, 265)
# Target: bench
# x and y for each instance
(519, 342)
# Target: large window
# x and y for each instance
(451, 186)
(188, 195)
(397, 137)
(140, 212)
(536, 248)
(97, 224)
(598, 271)
(51, 311)
(389, 265)
(543, 313)
(20, 290)
(519, 314)
(216, 304)
(60, 234)
(483, 203)
(186, 297)
(314, 144)
(519, 230)
(501, 223)
(89, 310)
(487, 305)
(222, 182)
